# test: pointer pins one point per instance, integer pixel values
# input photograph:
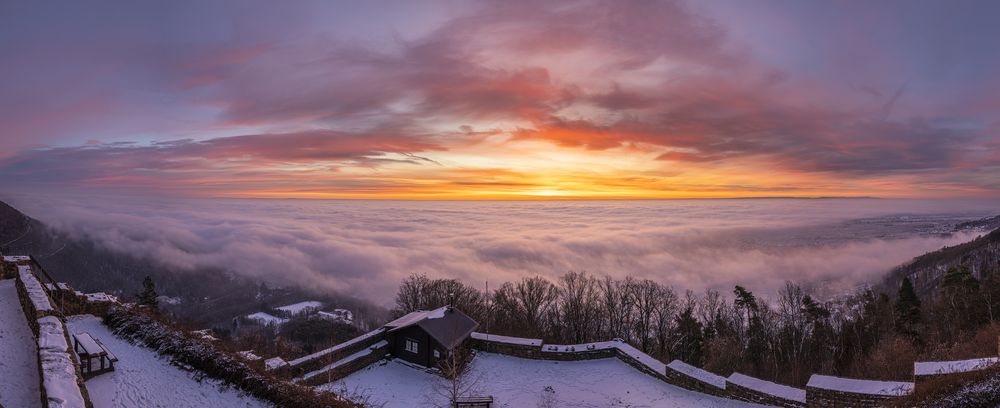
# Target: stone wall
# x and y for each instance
(346, 369)
(739, 392)
(823, 398)
(327, 359)
(690, 383)
(516, 350)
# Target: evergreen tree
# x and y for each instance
(148, 295)
(960, 291)
(688, 339)
(908, 318)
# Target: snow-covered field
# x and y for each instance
(523, 383)
(18, 359)
(143, 379)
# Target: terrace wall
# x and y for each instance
(691, 383)
(347, 369)
(302, 368)
(823, 398)
(739, 392)
(49, 354)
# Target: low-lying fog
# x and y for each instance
(366, 247)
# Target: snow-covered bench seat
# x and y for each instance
(824, 390)
(693, 378)
(59, 375)
(933, 369)
(750, 389)
(34, 290)
(347, 365)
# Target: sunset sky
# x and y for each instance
(512, 100)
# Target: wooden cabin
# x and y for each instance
(426, 336)
(94, 357)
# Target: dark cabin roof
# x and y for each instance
(447, 325)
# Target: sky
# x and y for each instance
(501, 100)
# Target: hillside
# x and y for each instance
(981, 256)
(208, 296)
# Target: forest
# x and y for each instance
(784, 339)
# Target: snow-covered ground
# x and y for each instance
(517, 382)
(18, 358)
(143, 379)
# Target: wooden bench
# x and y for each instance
(95, 358)
(474, 402)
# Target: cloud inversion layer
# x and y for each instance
(367, 247)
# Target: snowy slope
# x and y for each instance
(18, 361)
(516, 382)
(142, 379)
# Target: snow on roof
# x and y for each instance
(264, 318)
(58, 373)
(274, 363)
(767, 387)
(496, 338)
(345, 360)
(698, 374)
(336, 348)
(888, 388)
(296, 308)
(35, 291)
(249, 355)
(447, 325)
(413, 317)
(340, 315)
(100, 297)
(952, 367)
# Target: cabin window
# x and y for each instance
(437, 354)
(412, 346)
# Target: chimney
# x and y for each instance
(451, 300)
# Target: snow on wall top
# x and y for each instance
(297, 308)
(601, 345)
(16, 258)
(58, 372)
(346, 360)
(698, 374)
(767, 387)
(496, 338)
(34, 288)
(886, 388)
(336, 348)
(952, 367)
(51, 335)
(645, 359)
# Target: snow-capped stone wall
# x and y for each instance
(750, 389)
(826, 391)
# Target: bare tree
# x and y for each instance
(457, 380)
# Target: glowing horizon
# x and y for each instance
(479, 100)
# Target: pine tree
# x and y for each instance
(148, 295)
(908, 319)
(688, 338)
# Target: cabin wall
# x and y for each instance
(424, 356)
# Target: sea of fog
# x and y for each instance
(366, 247)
